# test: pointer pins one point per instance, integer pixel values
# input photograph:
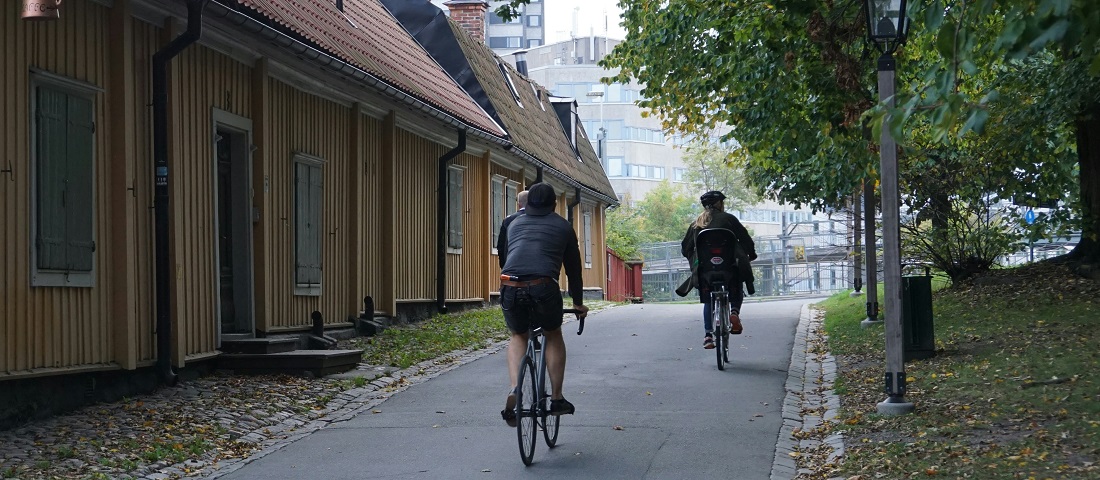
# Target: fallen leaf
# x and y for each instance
(617, 427)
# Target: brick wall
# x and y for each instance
(471, 15)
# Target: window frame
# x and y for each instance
(55, 277)
(301, 288)
(460, 213)
(586, 231)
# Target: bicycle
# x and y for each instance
(717, 269)
(720, 312)
(532, 399)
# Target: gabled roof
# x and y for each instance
(366, 36)
(531, 122)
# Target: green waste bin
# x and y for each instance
(918, 336)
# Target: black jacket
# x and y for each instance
(746, 254)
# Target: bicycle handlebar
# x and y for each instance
(574, 311)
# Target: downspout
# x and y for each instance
(538, 174)
(160, 191)
(441, 223)
(573, 204)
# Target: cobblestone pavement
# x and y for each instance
(810, 403)
(208, 427)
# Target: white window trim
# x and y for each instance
(591, 246)
(307, 289)
(504, 197)
(44, 277)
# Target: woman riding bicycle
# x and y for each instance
(715, 216)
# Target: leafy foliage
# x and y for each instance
(665, 213)
(708, 168)
(624, 231)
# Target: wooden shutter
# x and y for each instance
(498, 208)
(308, 196)
(50, 241)
(455, 207)
(64, 130)
(80, 245)
(587, 237)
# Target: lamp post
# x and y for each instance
(887, 27)
(601, 136)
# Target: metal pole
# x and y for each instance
(871, 247)
(857, 255)
(895, 403)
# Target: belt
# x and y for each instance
(507, 280)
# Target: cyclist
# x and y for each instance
(715, 216)
(540, 242)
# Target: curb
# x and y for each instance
(810, 400)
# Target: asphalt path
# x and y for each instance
(651, 404)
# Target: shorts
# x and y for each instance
(532, 306)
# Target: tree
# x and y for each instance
(665, 213)
(1054, 42)
(708, 167)
(624, 231)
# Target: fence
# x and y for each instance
(797, 264)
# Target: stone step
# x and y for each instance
(260, 345)
(314, 362)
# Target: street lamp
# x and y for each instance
(601, 136)
(887, 27)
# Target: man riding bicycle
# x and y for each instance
(539, 244)
(715, 216)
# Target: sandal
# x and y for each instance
(509, 412)
(708, 342)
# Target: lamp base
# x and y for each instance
(869, 322)
(894, 406)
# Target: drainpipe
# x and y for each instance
(441, 223)
(571, 205)
(160, 192)
(538, 174)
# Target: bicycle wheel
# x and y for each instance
(719, 338)
(726, 327)
(526, 411)
(550, 423)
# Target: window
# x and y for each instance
(615, 166)
(456, 208)
(503, 203)
(495, 19)
(678, 173)
(308, 203)
(534, 20)
(658, 172)
(511, 85)
(505, 42)
(534, 42)
(63, 143)
(587, 232)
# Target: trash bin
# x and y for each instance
(918, 336)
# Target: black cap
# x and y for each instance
(712, 197)
(541, 199)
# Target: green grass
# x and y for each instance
(411, 344)
(1010, 393)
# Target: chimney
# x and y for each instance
(471, 15)
(521, 61)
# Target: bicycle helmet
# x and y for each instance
(712, 197)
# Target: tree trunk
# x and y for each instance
(1086, 255)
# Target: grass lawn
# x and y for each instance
(1010, 393)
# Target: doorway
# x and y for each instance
(233, 225)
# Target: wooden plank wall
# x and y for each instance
(304, 123)
(467, 272)
(48, 327)
(200, 79)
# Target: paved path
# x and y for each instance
(651, 403)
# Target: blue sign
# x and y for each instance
(1029, 217)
